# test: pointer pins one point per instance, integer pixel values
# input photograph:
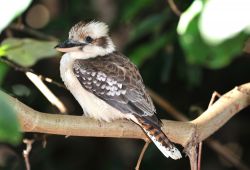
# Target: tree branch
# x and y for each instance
(221, 149)
(183, 133)
(222, 110)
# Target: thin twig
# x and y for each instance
(42, 138)
(37, 81)
(173, 7)
(51, 81)
(26, 152)
(20, 68)
(32, 32)
(212, 100)
(14, 65)
(199, 156)
(147, 142)
(192, 154)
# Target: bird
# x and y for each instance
(106, 84)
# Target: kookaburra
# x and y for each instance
(106, 84)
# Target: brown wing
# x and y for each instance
(117, 81)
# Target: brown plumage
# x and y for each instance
(126, 94)
(152, 129)
(117, 81)
(107, 84)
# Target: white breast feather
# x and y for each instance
(91, 105)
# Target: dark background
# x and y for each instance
(165, 71)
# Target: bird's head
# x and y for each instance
(89, 39)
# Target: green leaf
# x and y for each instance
(187, 16)
(198, 51)
(3, 71)
(10, 10)
(27, 52)
(146, 50)
(222, 54)
(9, 125)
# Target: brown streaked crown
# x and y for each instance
(77, 27)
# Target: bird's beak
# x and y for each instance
(69, 46)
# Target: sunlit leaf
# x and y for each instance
(187, 16)
(9, 125)
(3, 50)
(197, 50)
(224, 19)
(10, 10)
(3, 67)
(27, 52)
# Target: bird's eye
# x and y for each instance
(88, 39)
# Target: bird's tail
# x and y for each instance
(162, 142)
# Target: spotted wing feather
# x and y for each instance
(114, 79)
